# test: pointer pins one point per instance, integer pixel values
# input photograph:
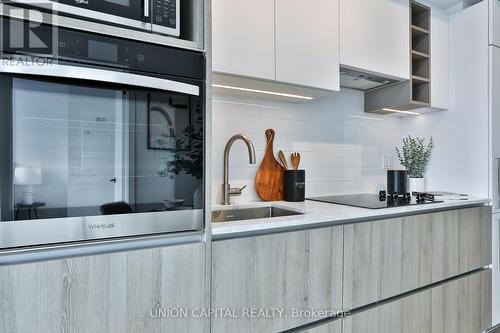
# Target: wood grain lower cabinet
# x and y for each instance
(388, 257)
(333, 327)
(106, 293)
(291, 271)
(459, 306)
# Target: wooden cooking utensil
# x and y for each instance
(282, 157)
(295, 160)
(269, 181)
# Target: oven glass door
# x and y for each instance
(88, 161)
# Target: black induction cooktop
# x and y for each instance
(374, 201)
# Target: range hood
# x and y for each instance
(359, 80)
(384, 95)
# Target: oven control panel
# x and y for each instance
(165, 13)
(122, 53)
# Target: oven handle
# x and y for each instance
(94, 74)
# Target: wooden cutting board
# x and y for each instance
(269, 181)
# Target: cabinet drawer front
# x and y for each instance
(459, 306)
(296, 270)
(333, 327)
(388, 257)
(118, 292)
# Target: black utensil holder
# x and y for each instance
(397, 182)
(295, 185)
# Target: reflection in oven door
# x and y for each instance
(89, 151)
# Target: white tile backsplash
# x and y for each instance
(341, 150)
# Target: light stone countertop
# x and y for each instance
(318, 214)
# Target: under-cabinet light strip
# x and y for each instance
(262, 92)
(247, 104)
(400, 111)
(367, 118)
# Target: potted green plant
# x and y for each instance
(414, 156)
(188, 158)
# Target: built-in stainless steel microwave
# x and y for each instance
(160, 16)
(100, 138)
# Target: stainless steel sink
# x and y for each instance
(250, 214)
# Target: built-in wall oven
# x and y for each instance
(100, 138)
(161, 16)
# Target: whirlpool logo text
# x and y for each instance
(101, 226)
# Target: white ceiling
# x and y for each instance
(444, 3)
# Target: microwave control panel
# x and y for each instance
(165, 13)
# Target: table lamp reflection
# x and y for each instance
(28, 176)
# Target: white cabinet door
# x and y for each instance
(374, 36)
(496, 269)
(439, 59)
(495, 105)
(243, 37)
(494, 22)
(307, 43)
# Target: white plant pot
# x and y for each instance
(417, 184)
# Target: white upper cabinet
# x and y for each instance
(243, 38)
(307, 43)
(494, 22)
(285, 41)
(374, 36)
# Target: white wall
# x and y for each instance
(340, 152)
(459, 161)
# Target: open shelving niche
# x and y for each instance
(414, 93)
(420, 53)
